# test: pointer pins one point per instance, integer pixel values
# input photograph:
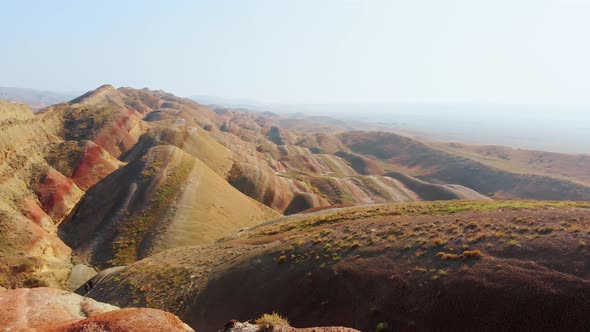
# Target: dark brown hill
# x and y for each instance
(428, 266)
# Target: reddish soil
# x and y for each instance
(92, 167)
(34, 212)
(53, 193)
(115, 137)
(127, 320)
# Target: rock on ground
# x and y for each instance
(235, 326)
(79, 275)
(49, 309)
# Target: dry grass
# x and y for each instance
(320, 251)
(269, 321)
(416, 209)
(467, 254)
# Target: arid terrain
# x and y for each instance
(213, 214)
(414, 266)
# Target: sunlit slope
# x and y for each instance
(165, 199)
(190, 138)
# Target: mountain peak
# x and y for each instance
(101, 93)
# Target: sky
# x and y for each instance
(306, 51)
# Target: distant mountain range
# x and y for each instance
(35, 99)
(555, 128)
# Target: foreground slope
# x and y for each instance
(420, 266)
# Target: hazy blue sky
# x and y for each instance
(498, 51)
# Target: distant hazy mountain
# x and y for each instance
(230, 102)
(36, 99)
(555, 128)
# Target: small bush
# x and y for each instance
(467, 254)
(420, 253)
(544, 230)
(512, 243)
(518, 219)
(268, 321)
(439, 242)
(472, 254)
(383, 327)
(447, 256)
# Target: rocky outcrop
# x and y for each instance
(48, 309)
(45, 308)
(129, 320)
